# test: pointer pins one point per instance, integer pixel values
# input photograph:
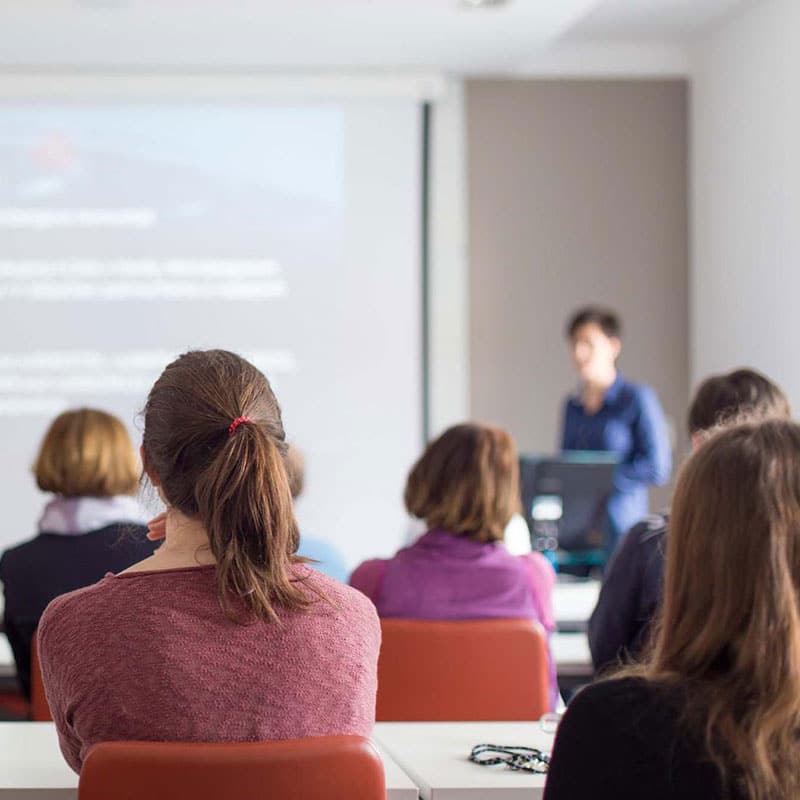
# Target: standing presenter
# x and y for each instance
(609, 413)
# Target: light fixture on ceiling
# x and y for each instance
(102, 4)
(482, 3)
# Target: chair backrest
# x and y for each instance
(324, 768)
(494, 669)
(40, 710)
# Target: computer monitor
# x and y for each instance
(565, 499)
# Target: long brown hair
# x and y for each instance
(729, 632)
(467, 482)
(234, 482)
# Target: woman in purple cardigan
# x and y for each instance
(465, 487)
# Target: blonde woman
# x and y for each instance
(92, 525)
(714, 712)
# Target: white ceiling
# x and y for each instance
(336, 34)
(670, 20)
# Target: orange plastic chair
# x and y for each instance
(40, 709)
(325, 768)
(475, 670)
(14, 704)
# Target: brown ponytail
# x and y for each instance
(235, 483)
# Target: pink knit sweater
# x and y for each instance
(150, 656)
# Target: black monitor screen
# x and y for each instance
(566, 498)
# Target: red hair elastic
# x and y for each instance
(236, 423)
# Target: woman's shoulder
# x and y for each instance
(537, 570)
(625, 737)
(120, 599)
(333, 588)
(120, 595)
(348, 601)
(339, 617)
(633, 704)
(368, 576)
(605, 692)
(68, 611)
(538, 564)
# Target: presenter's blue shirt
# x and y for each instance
(631, 424)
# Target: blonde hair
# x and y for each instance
(466, 482)
(86, 453)
(729, 630)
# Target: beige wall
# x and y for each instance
(577, 194)
(746, 195)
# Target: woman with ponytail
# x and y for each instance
(714, 710)
(223, 634)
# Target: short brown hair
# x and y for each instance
(467, 482)
(86, 453)
(743, 392)
(604, 318)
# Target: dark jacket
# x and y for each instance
(630, 595)
(51, 564)
(628, 739)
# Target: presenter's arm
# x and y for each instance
(651, 460)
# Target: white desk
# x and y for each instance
(573, 603)
(435, 756)
(572, 655)
(32, 768)
(31, 765)
(399, 786)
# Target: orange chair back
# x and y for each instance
(40, 710)
(462, 671)
(13, 704)
(325, 768)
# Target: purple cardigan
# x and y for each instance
(446, 576)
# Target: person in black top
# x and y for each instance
(92, 526)
(632, 587)
(619, 741)
(714, 710)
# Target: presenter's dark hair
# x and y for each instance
(604, 318)
(232, 479)
(466, 482)
(741, 393)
